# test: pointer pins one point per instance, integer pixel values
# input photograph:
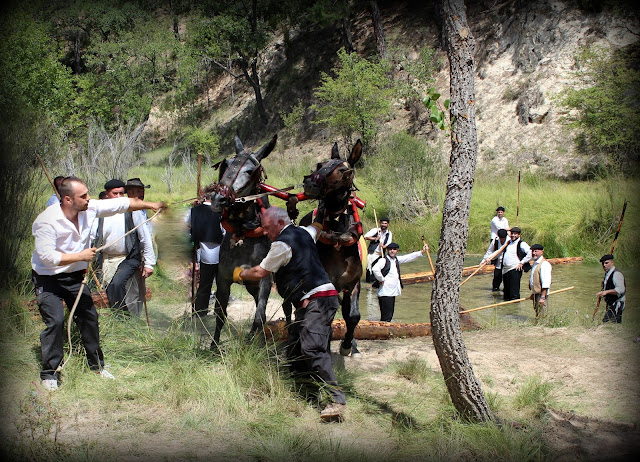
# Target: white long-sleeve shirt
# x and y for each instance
(54, 234)
(492, 249)
(511, 260)
(618, 283)
(207, 252)
(496, 224)
(391, 286)
(545, 273)
(383, 239)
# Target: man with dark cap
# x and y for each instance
(379, 239)
(386, 270)
(495, 245)
(498, 222)
(121, 260)
(540, 280)
(300, 278)
(515, 260)
(136, 286)
(613, 290)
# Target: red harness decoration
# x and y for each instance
(355, 202)
(228, 227)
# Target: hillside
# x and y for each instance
(525, 58)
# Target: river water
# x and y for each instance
(414, 303)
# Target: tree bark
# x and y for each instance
(346, 36)
(463, 386)
(254, 81)
(378, 30)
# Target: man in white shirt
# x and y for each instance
(386, 270)
(613, 290)
(59, 262)
(516, 259)
(301, 279)
(121, 260)
(498, 222)
(540, 280)
(379, 239)
(495, 245)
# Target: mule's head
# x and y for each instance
(333, 176)
(240, 175)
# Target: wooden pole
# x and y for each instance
(491, 257)
(424, 243)
(194, 253)
(613, 246)
(518, 207)
(513, 301)
(375, 216)
(55, 190)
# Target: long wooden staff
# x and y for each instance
(143, 287)
(518, 207)
(424, 243)
(513, 301)
(375, 216)
(491, 257)
(194, 252)
(613, 246)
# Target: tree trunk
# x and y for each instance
(463, 386)
(254, 80)
(378, 30)
(346, 36)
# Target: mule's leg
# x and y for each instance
(260, 294)
(223, 290)
(351, 315)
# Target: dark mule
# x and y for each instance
(244, 242)
(332, 184)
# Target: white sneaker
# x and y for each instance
(50, 384)
(105, 374)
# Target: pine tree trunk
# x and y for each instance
(463, 386)
(378, 30)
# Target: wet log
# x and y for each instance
(426, 276)
(371, 330)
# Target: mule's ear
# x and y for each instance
(238, 144)
(222, 166)
(334, 151)
(265, 150)
(356, 153)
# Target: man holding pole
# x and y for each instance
(496, 243)
(59, 262)
(515, 260)
(613, 290)
(540, 280)
(379, 239)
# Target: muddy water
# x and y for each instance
(414, 303)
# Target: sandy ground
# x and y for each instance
(594, 413)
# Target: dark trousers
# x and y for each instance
(614, 313)
(207, 275)
(51, 292)
(387, 307)
(117, 288)
(308, 343)
(497, 279)
(511, 281)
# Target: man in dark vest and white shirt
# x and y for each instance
(122, 259)
(206, 235)
(300, 278)
(515, 260)
(501, 237)
(613, 290)
(379, 239)
(386, 270)
(540, 281)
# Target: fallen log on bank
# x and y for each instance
(426, 276)
(371, 330)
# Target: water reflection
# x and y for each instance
(414, 303)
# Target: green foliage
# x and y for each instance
(535, 394)
(203, 142)
(607, 106)
(420, 73)
(356, 100)
(437, 115)
(292, 120)
(415, 164)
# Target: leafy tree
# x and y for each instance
(357, 99)
(203, 142)
(607, 100)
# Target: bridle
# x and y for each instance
(316, 184)
(225, 187)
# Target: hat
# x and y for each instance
(135, 183)
(113, 184)
(606, 257)
(502, 233)
(393, 245)
(500, 209)
(515, 229)
(537, 247)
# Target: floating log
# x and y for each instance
(426, 276)
(371, 330)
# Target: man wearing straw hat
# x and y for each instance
(59, 260)
(539, 280)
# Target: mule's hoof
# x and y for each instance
(344, 351)
(355, 353)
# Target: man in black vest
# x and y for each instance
(501, 237)
(515, 260)
(379, 239)
(386, 270)
(206, 235)
(300, 278)
(122, 259)
(613, 290)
